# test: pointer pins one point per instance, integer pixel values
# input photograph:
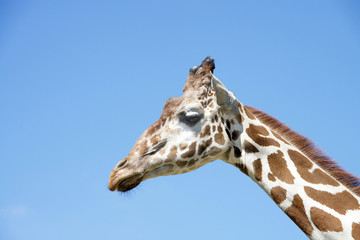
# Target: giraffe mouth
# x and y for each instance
(124, 185)
(129, 183)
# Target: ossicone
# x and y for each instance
(200, 76)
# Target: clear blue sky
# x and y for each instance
(81, 80)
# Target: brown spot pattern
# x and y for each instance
(271, 177)
(220, 129)
(183, 146)
(242, 168)
(213, 151)
(259, 130)
(255, 133)
(303, 166)
(297, 213)
(324, 221)
(279, 137)
(249, 147)
(190, 152)
(279, 168)
(181, 163)
(237, 152)
(205, 132)
(340, 202)
(172, 154)
(219, 138)
(305, 145)
(356, 231)
(257, 169)
(235, 135)
(154, 140)
(168, 110)
(278, 194)
(191, 162)
(143, 148)
(204, 145)
(249, 114)
(153, 128)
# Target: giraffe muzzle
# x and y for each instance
(129, 183)
(124, 183)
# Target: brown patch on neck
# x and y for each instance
(340, 202)
(256, 133)
(278, 194)
(279, 137)
(250, 148)
(235, 135)
(297, 213)
(356, 231)
(306, 147)
(279, 167)
(237, 152)
(303, 166)
(257, 170)
(242, 168)
(249, 113)
(271, 177)
(324, 221)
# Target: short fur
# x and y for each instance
(309, 149)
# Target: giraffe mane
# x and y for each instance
(309, 149)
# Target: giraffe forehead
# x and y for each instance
(190, 101)
(173, 107)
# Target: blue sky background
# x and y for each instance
(81, 80)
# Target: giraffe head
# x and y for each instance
(192, 130)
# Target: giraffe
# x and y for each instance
(207, 123)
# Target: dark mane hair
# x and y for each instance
(309, 149)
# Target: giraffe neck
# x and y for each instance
(321, 205)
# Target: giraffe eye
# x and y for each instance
(190, 118)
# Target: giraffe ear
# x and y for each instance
(224, 97)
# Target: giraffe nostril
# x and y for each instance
(121, 163)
